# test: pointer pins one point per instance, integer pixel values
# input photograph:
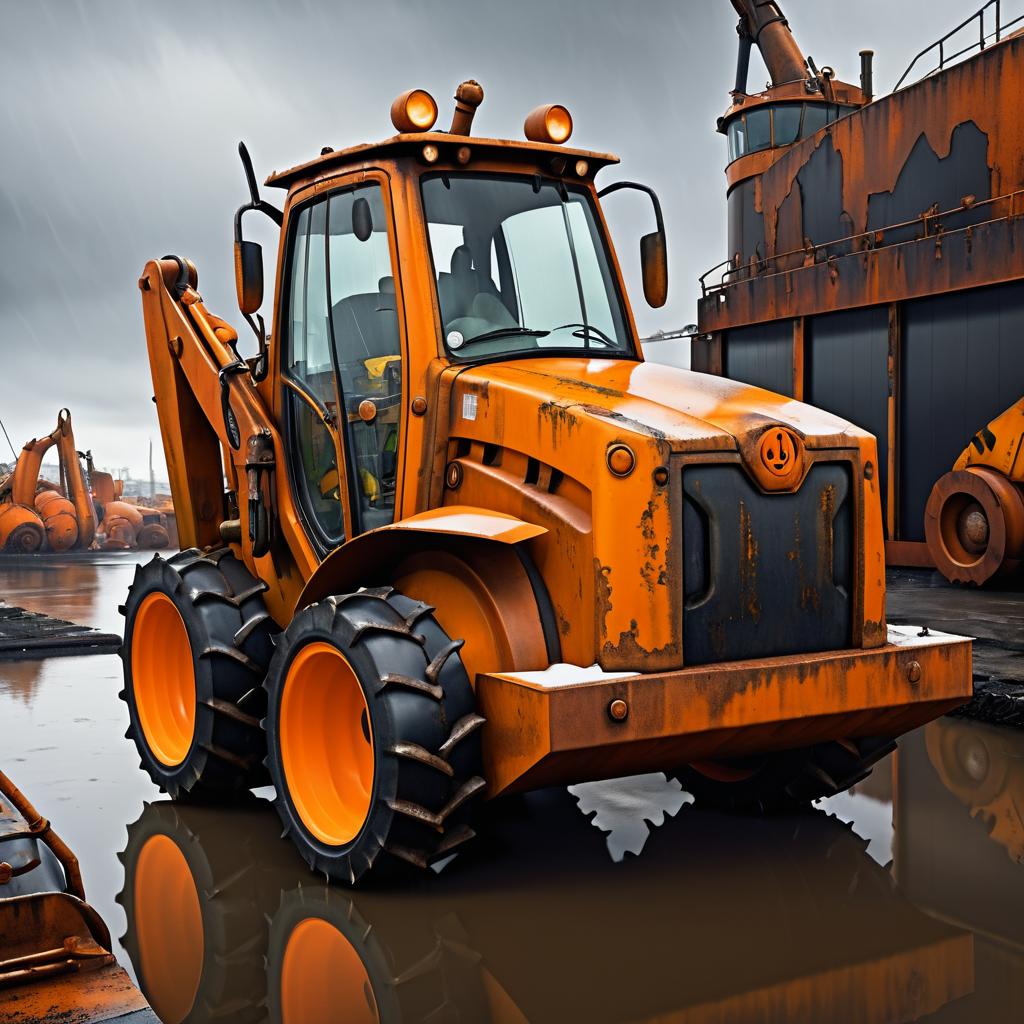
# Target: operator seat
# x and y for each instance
(457, 290)
(366, 325)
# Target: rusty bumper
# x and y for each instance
(542, 732)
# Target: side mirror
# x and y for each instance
(249, 275)
(653, 247)
(654, 267)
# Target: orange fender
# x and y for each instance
(58, 515)
(21, 530)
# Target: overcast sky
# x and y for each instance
(119, 122)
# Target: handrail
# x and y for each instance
(983, 40)
(872, 240)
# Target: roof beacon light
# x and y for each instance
(414, 111)
(550, 123)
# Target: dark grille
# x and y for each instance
(766, 574)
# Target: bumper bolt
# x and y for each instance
(618, 710)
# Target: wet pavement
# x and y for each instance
(614, 901)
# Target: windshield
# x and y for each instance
(521, 268)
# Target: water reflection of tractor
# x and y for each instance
(55, 950)
(495, 549)
(80, 511)
(544, 928)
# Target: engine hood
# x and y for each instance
(684, 409)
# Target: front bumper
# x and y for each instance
(543, 730)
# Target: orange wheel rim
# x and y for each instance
(326, 744)
(323, 978)
(163, 679)
(169, 929)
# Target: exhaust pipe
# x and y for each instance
(468, 97)
(867, 84)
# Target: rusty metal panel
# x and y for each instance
(762, 355)
(846, 372)
(789, 557)
(746, 223)
(962, 364)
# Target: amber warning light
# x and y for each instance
(414, 111)
(549, 123)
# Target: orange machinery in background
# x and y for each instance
(36, 515)
(83, 510)
(875, 268)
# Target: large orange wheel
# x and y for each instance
(373, 740)
(196, 643)
(974, 525)
(326, 743)
(163, 679)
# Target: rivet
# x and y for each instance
(621, 459)
(869, 470)
(618, 710)
(914, 671)
(419, 405)
(453, 475)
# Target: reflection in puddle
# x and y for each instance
(719, 919)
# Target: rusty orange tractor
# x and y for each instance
(449, 537)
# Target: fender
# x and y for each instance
(363, 559)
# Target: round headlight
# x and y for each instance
(550, 123)
(414, 111)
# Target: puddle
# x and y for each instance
(613, 901)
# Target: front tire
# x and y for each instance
(197, 642)
(373, 740)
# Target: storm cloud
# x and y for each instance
(119, 123)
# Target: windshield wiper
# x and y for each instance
(589, 332)
(501, 332)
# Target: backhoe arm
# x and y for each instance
(74, 479)
(222, 449)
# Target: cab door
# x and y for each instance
(341, 365)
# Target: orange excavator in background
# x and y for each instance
(448, 535)
(37, 515)
(124, 524)
(82, 510)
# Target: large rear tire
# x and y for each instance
(197, 643)
(782, 782)
(372, 734)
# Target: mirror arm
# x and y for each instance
(259, 328)
(655, 201)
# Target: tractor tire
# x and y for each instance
(783, 782)
(197, 896)
(373, 740)
(335, 955)
(197, 642)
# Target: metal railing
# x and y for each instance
(933, 224)
(983, 39)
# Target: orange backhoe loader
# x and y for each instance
(125, 525)
(36, 516)
(449, 537)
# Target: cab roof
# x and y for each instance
(411, 144)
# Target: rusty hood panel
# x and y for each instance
(686, 410)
